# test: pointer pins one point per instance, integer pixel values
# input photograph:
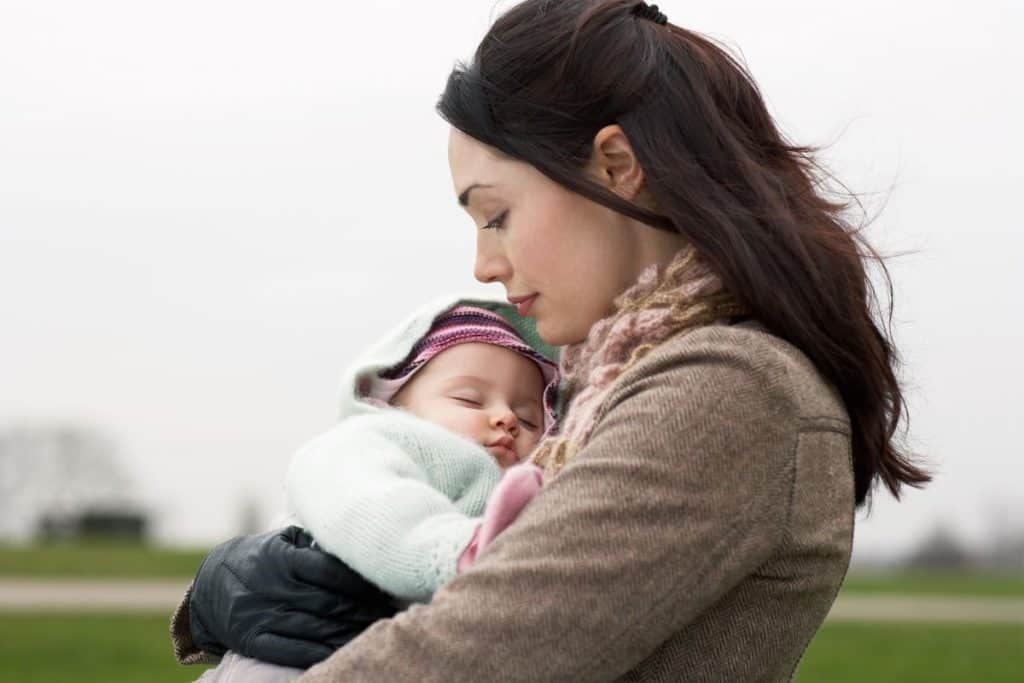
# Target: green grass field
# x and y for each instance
(912, 653)
(119, 648)
(119, 560)
(935, 583)
(96, 559)
(113, 648)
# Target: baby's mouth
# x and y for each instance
(505, 456)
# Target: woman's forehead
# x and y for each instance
(474, 163)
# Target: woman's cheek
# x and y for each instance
(534, 258)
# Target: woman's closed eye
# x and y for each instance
(496, 222)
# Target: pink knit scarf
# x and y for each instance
(664, 302)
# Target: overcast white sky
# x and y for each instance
(206, 208)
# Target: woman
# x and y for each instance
(731, 397)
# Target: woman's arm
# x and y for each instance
(682, 491)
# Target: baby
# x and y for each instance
(399, 488)
(399, 495)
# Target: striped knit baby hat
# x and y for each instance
(460, 325)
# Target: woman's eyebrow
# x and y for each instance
(464, 197)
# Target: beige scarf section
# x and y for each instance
(665, 301)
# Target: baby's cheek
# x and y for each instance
(457, 422)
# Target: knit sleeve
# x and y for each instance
(681, 492)
(380, 504)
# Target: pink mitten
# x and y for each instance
(517, 487)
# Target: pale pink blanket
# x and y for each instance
(517, 487)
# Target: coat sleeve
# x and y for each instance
(367, 500)
(185, 650)
(681, 492)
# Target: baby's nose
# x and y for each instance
(507, 420)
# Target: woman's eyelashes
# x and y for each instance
(496, 222)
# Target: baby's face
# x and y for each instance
(486, 393)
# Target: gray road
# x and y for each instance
(161, 596)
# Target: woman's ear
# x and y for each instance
(614, 164)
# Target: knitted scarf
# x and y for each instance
(666, 300)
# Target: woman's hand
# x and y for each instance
(276, 598)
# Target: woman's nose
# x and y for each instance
(490, 265)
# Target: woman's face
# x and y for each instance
(536, 237)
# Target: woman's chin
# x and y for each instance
(557, 336)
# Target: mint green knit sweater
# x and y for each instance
(395, 497)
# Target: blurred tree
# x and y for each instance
(250, 516)
(941, 551)
(57, 471)
(1005, 550)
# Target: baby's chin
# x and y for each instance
(504, 457)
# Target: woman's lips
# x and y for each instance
(524, 306)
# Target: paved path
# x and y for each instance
(76, 595)
(161, 596)
(959, 609)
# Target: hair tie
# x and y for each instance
(649, 12)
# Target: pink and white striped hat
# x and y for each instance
(460, 325)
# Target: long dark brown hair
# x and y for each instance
(551, 73)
